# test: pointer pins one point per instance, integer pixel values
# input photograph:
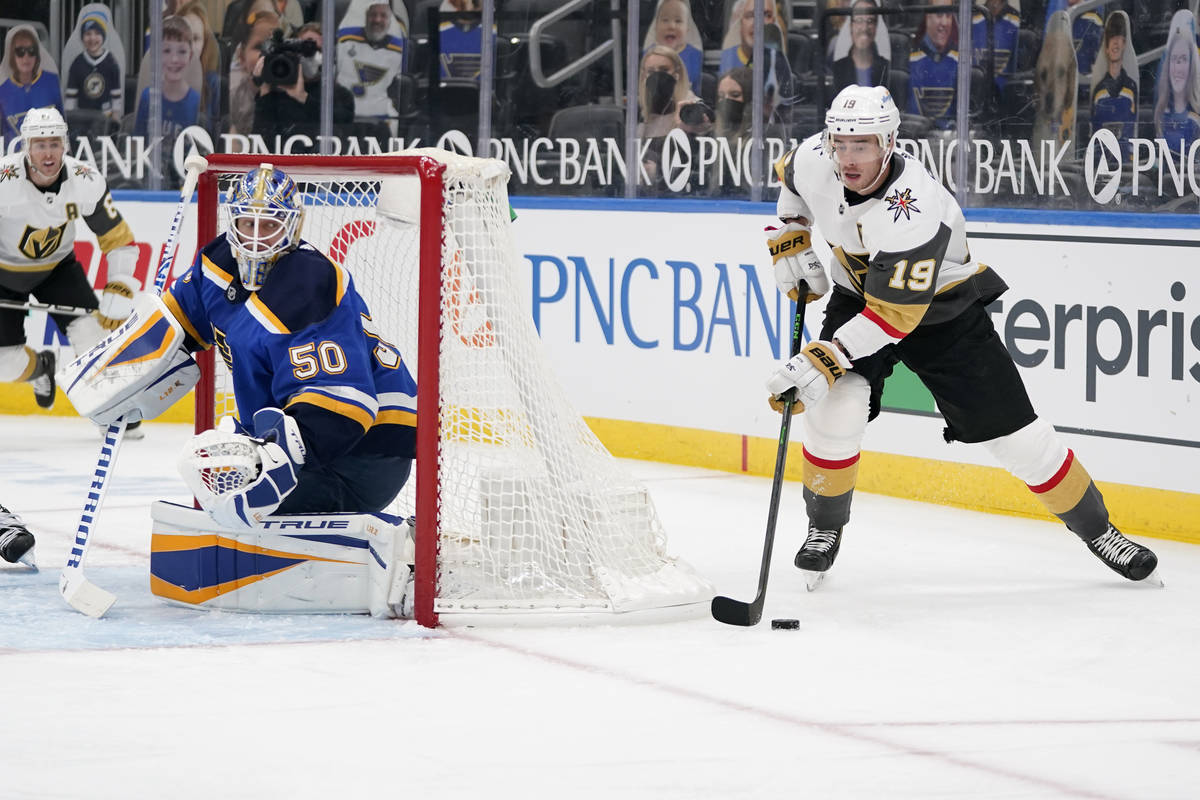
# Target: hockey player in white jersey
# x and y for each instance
(905, 289)
(42, 192)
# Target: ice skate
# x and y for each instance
(16, 542)
(817, 555)
(1127, 558)
(43, 379)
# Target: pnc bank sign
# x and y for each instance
(1106, 168)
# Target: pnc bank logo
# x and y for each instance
(1102, 165)
(676, 160)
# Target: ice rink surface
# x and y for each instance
(951, 654)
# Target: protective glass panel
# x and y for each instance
(1054, 104)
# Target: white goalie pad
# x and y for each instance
(295, 563)
(138, 371)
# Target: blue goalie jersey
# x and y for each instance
(304, 343)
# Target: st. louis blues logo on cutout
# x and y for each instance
(902, 203)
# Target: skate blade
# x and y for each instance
(28, 560)
(1153, 579)
(813, 579)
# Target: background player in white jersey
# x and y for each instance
(330, 406)
(905, 289)
(42, 192)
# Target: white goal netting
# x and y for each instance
(532, 512)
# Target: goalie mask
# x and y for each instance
(262, 215)
(862, 111)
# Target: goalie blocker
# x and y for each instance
(295, 563)
(137, 372)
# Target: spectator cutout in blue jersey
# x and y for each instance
(460, 39)
(933, 70)
(181, 83)
(372, 48)
(96, 75)
(1177, 90)
(673, 27)
(1006, 23)
(1114, 83)
(1087, 31)
(862, 52)
(28, 79)
(294, 334)
(1054, 83)
(739, 50)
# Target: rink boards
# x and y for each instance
(662, 321)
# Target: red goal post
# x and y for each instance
(521, 513)
(428, 172)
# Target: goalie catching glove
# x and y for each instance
(240, 479)
(795, 261)
(116, 301)
(810, 372)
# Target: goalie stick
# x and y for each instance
(736, 612)
(80, 593)
(49, 308)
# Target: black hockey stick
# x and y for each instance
(726, 609)
(49, 308)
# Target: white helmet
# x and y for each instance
(43, 122)
(862, 111)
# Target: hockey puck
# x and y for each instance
(785, 624)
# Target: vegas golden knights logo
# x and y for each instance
(38, 244)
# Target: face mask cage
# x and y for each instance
(263, 235)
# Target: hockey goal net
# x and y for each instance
(520, 509)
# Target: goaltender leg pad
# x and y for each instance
(304, 563)
(138, 371)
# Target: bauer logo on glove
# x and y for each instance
(827, 362)
(787, 243)
(795, 262)
(811, 372)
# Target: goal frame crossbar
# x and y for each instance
(429, 172)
